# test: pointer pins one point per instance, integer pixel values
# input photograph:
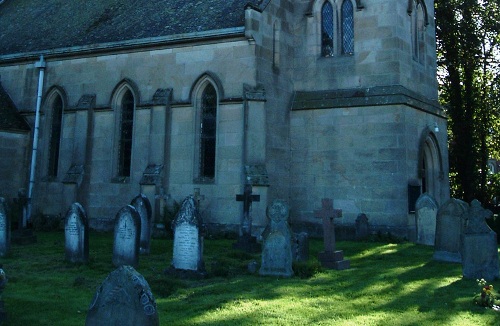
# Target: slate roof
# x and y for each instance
(10, 119)
(37, 25)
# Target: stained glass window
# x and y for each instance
(347, 27)
(327, 30)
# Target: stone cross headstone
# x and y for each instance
(426, 209)
(330, 257)
(362, 227)
(4, 229)
(143, 206)
(246, 241)
(450, 225)
(480, 247)
(277, 246)
(300, 246)
(125, 299)
(76, 234)
(127, 237)
(188, 240)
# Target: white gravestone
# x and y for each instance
(188, 243)
(143, 207)
(76, 234)
(426, 209)
(4, 229)
(127, 234)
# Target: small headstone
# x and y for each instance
(362, 227)
(450, 225)
(277, 247)
(330, 257)
(4, 229)
(143, 207)
(300, 246)
(76, 234)
(127, 235)
(124, 299)
(188, 242)
(480, 247)
(425, 213)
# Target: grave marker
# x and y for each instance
(362, 227)
(277, 247)
(143, 206)
(246, 241)
(127, 236)
(4, 229)
(124, 299)
(450, 224)
(76, 234)
(330, 258)
(426, 209)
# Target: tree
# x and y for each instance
(469, 75)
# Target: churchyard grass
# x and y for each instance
(387, 284)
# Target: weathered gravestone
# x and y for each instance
(300, 246)
(330, 257)
(480, 247)
(4, 229)
(76, 234)
(426, 209)
(277, 237)
(450, 224)
(188, 240)
(127, 235)
(362, 227)
(123, 299)
(143, 206)
(246, 241)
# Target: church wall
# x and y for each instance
(14, 160)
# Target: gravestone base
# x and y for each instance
(446, 256)
(23, 237)
(247, 243)
(334, 260)
(480, 256)
(185, 273)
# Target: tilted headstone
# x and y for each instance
(277, 246)
(450, 225)
(4, 229)
(426, 209)
(125, 299)
(300, 246)
(143, 207)
(76, 234)
(127, 235)
(480, 247)
(188, 241)
(362, 227)
(330, 257)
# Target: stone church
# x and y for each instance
(301, 99)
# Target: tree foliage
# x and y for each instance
(469, 75)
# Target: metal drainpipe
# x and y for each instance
(41, 66)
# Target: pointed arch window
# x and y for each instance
(208, 131)
(418, 23)
(126, 126)
(347, 27)
(55, 136)
(327, 30)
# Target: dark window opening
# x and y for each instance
(208, 132)
(126, 129)
(55, 136)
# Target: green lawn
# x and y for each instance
(387, 284)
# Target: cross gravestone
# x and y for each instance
(300, 247)
(480, 247)
(362, 227)
(125, 299)
(76, 234)
(330, 257)
(450, 225)
(127, 237)
(426, 209)
(188, 241)
(143, 206)
(4, 229)
(277, 246)
(246, 241)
